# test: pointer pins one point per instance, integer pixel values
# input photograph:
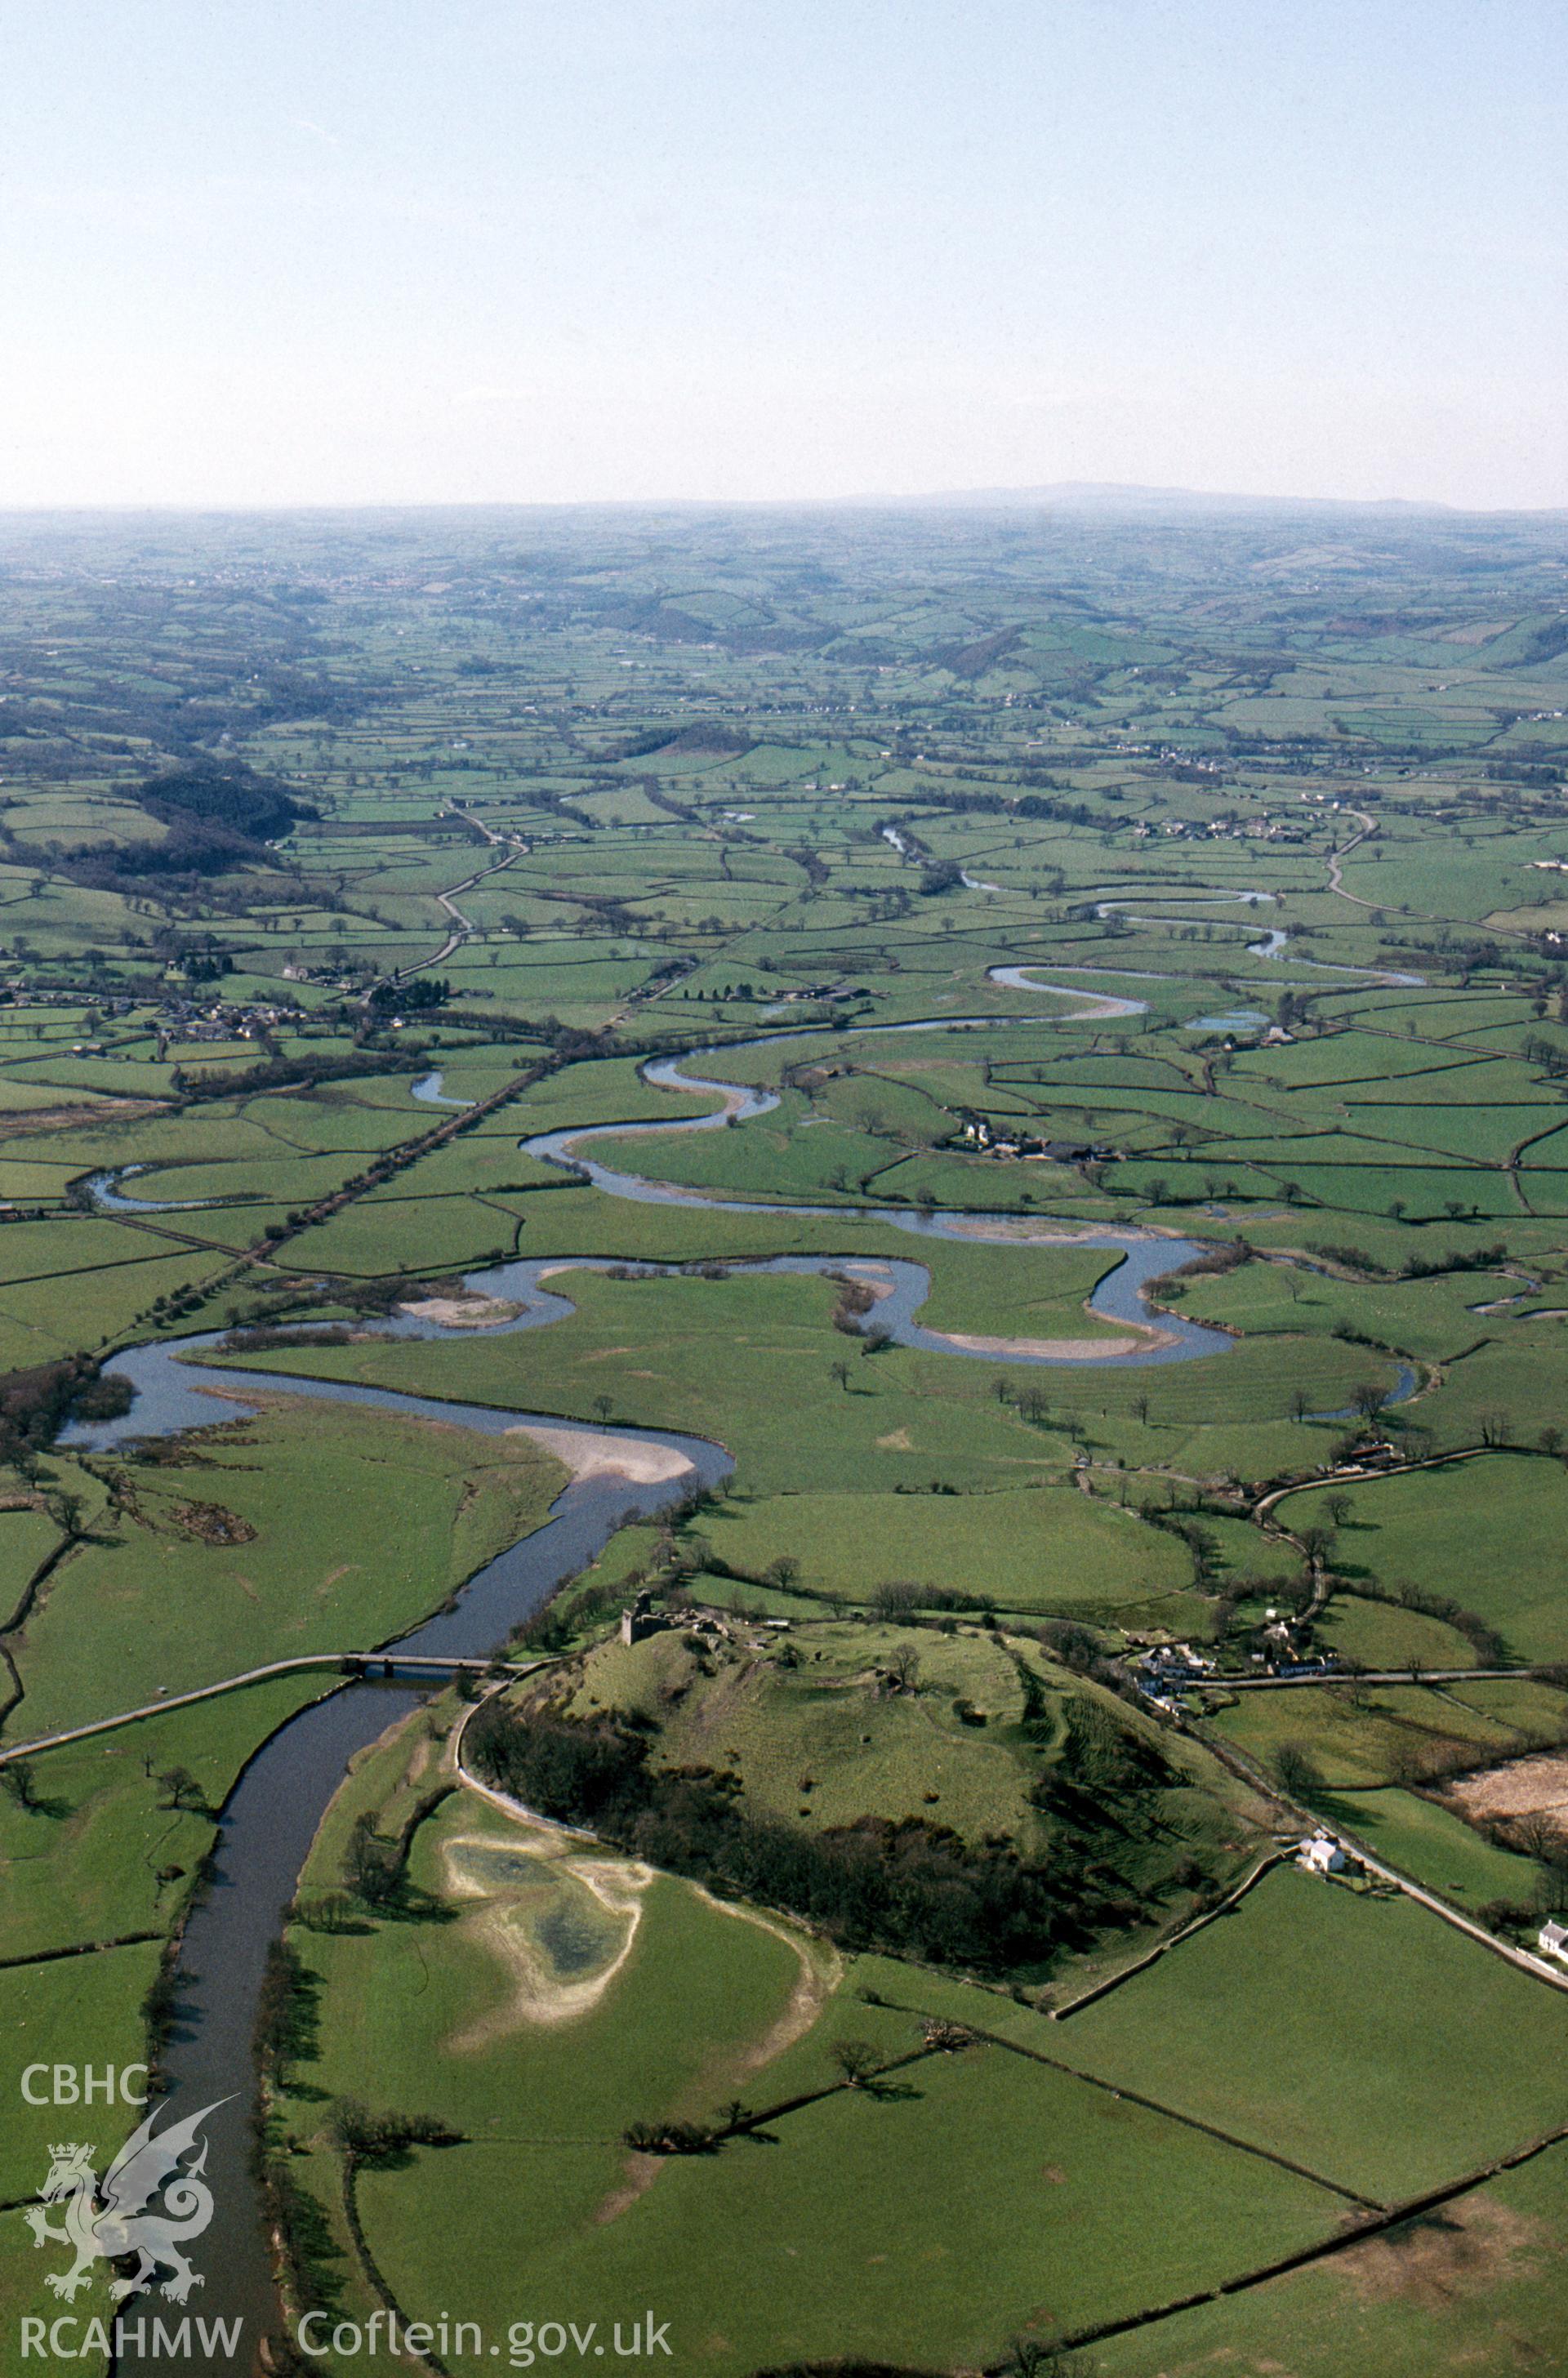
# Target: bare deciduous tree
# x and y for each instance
(857, 2060)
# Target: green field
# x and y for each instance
(1268, 813)
(823, 1725)
(1358, 1735)
(304, 1530)
(1331, 2027)
(1462, 2292)
(476, 2027)
(1491, 1534)
(1424, 1839)
(1045, 1549)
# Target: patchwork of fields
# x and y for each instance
(925, 1171)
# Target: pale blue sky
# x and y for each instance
(275, 251)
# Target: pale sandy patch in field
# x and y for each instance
(641, 1462)
(1067, 1350)
(821, 1971)
(1028, 1234)
(462, 1312)
(1470, 2250)
(641, 2171)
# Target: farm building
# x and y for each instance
(1321, 1854)
(1553, 1939)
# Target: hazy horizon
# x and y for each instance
(1070, 495)
(677, 251)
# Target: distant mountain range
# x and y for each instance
(1131, 502)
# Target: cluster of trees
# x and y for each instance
(813, 865)
(373, 1868)
(428, 990)
(1100, 1763)
(854, 1300)
(229, 802)
(1454, 1259)
(1350, 1258)
(161, 2002)
(698, 735)
(292, 1073)
(1226, 1254)
(1297, 1770)
(1540, 774)
(1020, 805)
(1202, 1542)
(896, 1600)
(266, 1339)
(218, 817)
(1552, 1060)
(367, 2137)
(35, 1404)
(286, 2012)
(907, 1887)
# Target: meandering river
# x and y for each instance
(272, 1814)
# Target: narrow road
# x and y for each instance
(1362, 1677)
(1249, 1771)
(352, 1664)
(1361, 1477)
(503, 1801)
(1557, 1975)
(1337, 858)
(462, 926)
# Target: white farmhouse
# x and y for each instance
(1321, 1854)
(1553, 1939)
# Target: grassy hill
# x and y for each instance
(856, 1772)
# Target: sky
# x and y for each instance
(274, 252)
